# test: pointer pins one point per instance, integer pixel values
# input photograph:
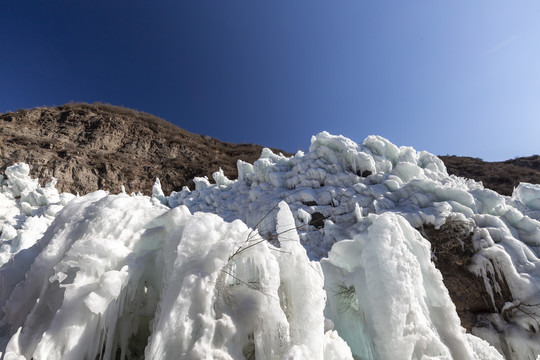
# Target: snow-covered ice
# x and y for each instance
(316, 256)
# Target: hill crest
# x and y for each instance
(98, 146)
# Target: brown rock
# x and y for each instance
(500, 176)
(453, 250)
(89, 147)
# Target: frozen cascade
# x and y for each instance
(384, 270)
(119, 272)
(316, 256)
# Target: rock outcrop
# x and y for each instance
(501, 176)
(86, 147)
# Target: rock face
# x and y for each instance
(86, 147)
(500, 176)
(453, 250)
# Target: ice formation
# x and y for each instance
(316, 256)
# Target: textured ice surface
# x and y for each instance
(125, 272)
(26, 210)
(382, 285)
(315, 256)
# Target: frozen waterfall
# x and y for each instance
(316, 256)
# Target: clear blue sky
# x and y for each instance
(458, 77)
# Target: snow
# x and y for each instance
(316, 256)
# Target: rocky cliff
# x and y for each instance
(86, 147)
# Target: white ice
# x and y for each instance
(315, 256)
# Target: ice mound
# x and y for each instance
(318, 256)
(382, 285)
(125, 273)
(223, 298)
(26, 209)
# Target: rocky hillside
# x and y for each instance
(500, 176)
(86, 147)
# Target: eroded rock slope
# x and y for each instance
(89, 147)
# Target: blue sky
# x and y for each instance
(450, 77)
